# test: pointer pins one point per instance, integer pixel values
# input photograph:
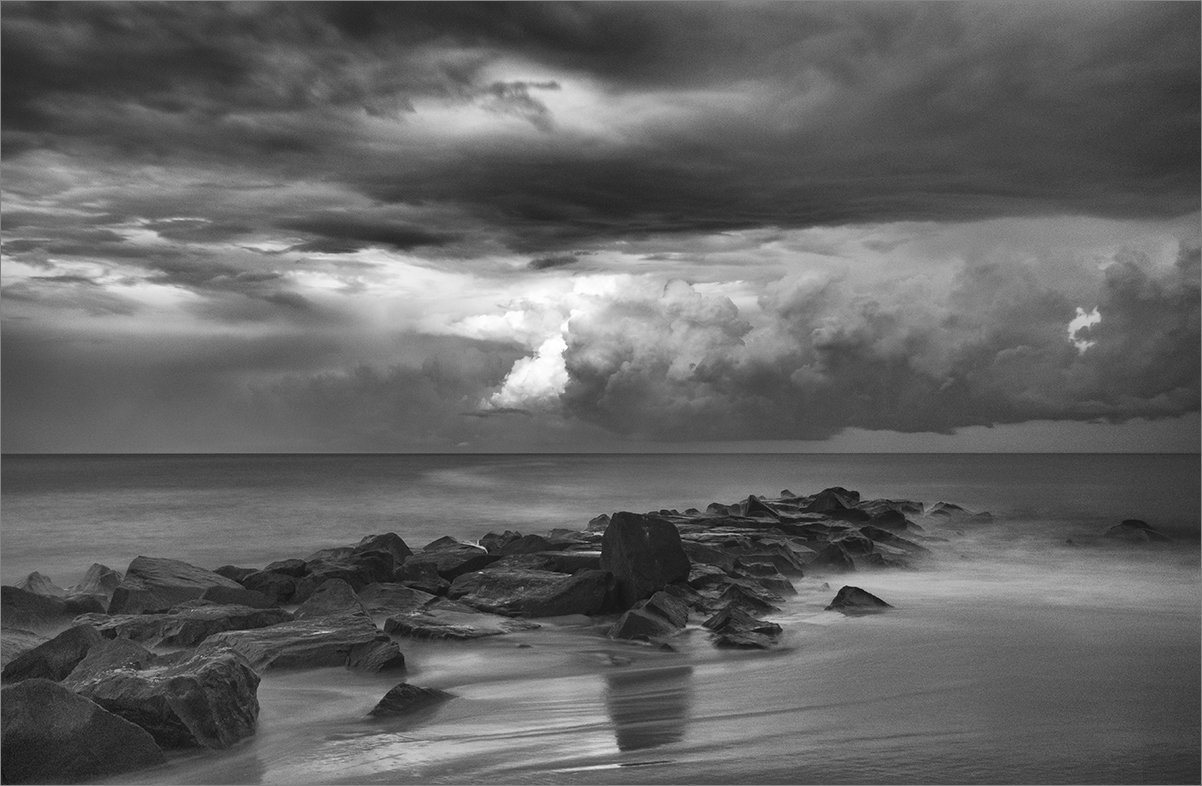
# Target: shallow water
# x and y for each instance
(1011, 656)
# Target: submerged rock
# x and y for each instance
(352, 641)
(209, 700)
(644, 553)
(853, 600)
(405, 698)
(54, 659)
(50, 735)
(1136, 531)
(155, 584)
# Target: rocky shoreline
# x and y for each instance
(104, 677)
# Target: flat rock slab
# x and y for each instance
(210, 700)
(533, 593)
(352, 641)
(448, 620)
(184, 627)
(51, 735)
(155, 584)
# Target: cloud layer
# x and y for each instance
(416, 225)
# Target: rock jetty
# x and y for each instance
(111, 672)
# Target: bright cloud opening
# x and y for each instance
(1079, 323)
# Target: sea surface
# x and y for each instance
(1012, 655)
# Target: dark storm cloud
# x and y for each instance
(557, 260)
(802, 113)
(364, 231)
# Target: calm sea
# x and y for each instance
(1012, 656)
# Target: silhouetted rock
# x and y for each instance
(405, 698)
(332, 597)
(275, 586)
(184, 626)
(1136, 531)
(313, 643)
(389, 542)
(50, 735)
(155, 584)
(296, 568)
(644, 553)
(54, 659)
(534, 593)
(209, 700)
(853, 600)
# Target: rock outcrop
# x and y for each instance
(156, 584)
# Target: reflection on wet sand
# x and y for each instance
(649, 707)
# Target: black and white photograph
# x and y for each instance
(648, 392)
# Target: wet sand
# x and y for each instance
(1006, 660)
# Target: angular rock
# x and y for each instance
(155, 584)
(405, 698)
(448, 558)
(234, 573)
(389, 542)
(451, 620)
(50, 735)
(209, 700)
(1136, 531)
(734, 627)
(853, 600)
(880, 536)
(40, 584)
(855, 543)
(748, 596)
(312, 643)
(534, 593)
(22, 609)
(657, 617)
(493, 542)
(644, 553)
(422, 576)
(100, 580)
(556, 561)
(332, 597)
(393, 598)
(833, 501)
(275, 586)
(702, 576)
(14, 641)
(296, 568)
(54, 659)
(184, 626)
(357, 568)
(833, 557)
(700, 553)
(110, 655)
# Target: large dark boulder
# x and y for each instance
(155, 584)
(853, 600)
(1136, 531)
(209, 700)
(22, 609)
(534, 593)
(450, 620)
(333, 597)
(50, 735)
(184, 626)
(54, 659)
(352, 641)
(404, 699)
(644, 553)
(657, 617)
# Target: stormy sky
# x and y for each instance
(631, 226)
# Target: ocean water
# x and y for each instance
(1011, 656)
